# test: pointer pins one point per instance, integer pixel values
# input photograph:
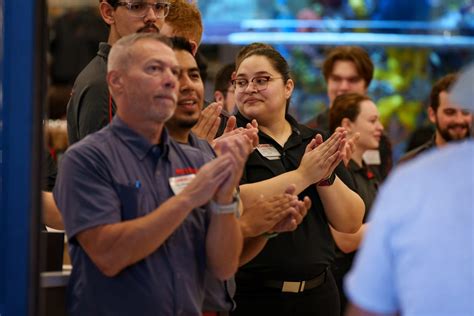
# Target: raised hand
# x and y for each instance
(237, 149)
(265, 213)
(251, 131)
(208, 179)
(321, 158)
(349, 148)
(295, 217)
(208, 123)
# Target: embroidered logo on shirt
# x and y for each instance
(188, 170)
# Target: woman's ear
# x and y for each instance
(347, 124)
(107, 12)
(289, 86)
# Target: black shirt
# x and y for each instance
(366, 180)
(305, 252)
(90, 107)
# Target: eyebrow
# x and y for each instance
(259, 73)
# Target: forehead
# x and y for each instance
(368, 107)
(445, 102)
(146, 49)
(344, 68)
(186, 60)
(255, 64)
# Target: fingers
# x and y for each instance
(231, 124)
(310, 146)
(290, 189)
(208, 122)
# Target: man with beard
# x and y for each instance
(277, 214)
(452, 122)
(91, 107)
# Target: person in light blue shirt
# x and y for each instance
(417, 257)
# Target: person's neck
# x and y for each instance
(279, 130)
(357, 156)
(151, 131)
(439, 140)
(179, 135)
(113, 37)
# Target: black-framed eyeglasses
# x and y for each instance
(140, 9)
(259, 82)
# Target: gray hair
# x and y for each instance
(121, 52)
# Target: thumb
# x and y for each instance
(231, 124)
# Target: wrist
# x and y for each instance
(227, 206)
(328, 181)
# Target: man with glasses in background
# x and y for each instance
(91, 107)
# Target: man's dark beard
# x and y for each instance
(188, 124)
(448, 137)
(148, 26)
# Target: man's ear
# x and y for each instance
(107, 12)
(194, 46)
(219, 96)
(432, 115)
(115, 81)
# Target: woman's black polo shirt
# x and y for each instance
(305, 252)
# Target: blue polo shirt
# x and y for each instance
(115, 175)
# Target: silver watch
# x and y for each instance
(230, 208)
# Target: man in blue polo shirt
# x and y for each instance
(145, 217)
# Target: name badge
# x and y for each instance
(268, 151)
(372, 157)
(180, 182)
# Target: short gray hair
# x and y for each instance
(121, 52)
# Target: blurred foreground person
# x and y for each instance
(144, 216)
(418, 255)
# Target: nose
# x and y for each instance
(379, 126)
(170, 80)
(344, 85)
(251, 86)
(460, 117)
(150, 15)
(184, 83)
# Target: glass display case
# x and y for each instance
(412, 44)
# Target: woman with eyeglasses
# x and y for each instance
(290, 275)
(358, 115)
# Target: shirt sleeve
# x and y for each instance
(93, 112)
(371, 282)
(84, 191)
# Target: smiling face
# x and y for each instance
(257, 100)
(344, 78)
(368, 125)
(191, 93)
(452, 122)
(147, 87)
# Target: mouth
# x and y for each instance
(188, 104)
(167, 98)
(251, 100)
(149, 29)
